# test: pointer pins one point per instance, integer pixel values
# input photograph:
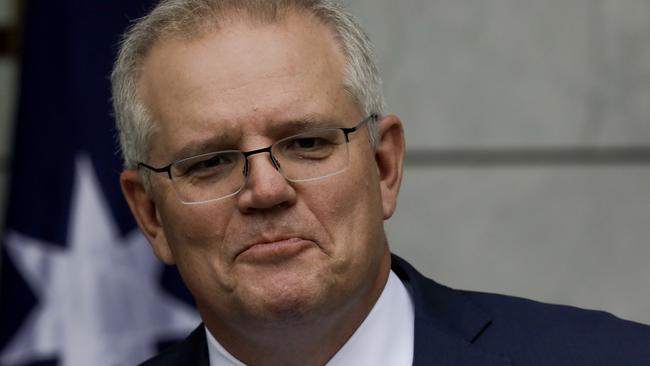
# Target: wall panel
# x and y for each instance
(531, 79)
(576, 235)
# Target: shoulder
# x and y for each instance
(523, 328)
(193, 350)
(527, 332)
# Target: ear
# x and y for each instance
(389, 156)
(146, 214)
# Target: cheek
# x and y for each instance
(202, 257)
(195, 226)
(196, 237)
(350, 209)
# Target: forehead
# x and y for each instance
(243, 80)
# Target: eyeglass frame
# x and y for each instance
(168, 168)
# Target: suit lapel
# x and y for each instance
(446, 323)
(434, 347)
(195, 350)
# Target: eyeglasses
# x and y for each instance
(309, 156)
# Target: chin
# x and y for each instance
(286, 300)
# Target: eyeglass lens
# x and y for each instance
(308, 156)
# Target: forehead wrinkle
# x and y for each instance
(300, 124)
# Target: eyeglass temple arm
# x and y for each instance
(166, 169)
(349, 130)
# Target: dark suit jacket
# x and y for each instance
(462, 328)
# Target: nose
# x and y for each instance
(265, 187)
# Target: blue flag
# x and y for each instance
(79, 284)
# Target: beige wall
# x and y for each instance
(523, 74)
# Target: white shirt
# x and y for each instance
(385, 337)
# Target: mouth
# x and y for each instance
(274, 251)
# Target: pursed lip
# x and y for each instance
(273, 248)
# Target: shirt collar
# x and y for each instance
(384, 338)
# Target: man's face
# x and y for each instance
(276, 250)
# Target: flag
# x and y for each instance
(79, 284)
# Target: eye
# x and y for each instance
(210, 163)
(316, 145)
(204, 166)
(306, 143)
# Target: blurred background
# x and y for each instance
(528, 139)
(527, 124)
(9, 40)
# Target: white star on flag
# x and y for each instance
(99, 301)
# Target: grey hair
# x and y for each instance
(192, 18)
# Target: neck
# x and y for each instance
(307, 340)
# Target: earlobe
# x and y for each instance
(146, 214)
(389, 156)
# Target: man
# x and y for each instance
(259, 162)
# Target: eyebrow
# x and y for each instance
(301, 124)
(274, 130)
(198, 147)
